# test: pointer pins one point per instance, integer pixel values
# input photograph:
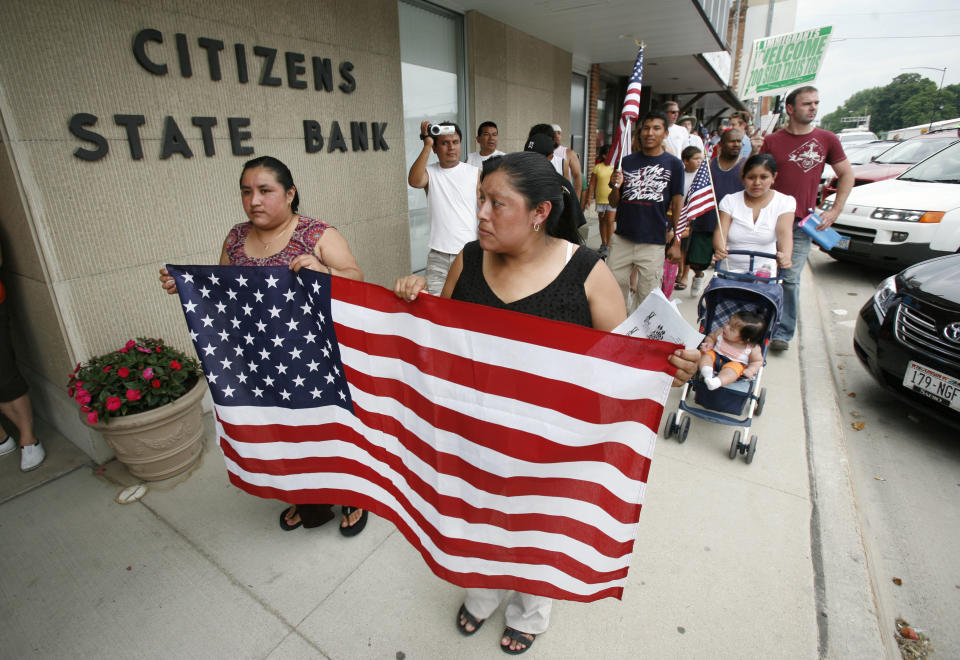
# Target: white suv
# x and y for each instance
(902, 221)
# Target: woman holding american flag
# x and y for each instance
(528, 258)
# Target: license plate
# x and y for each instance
(843, 243)
(933, 384)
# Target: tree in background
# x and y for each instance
(907, 101)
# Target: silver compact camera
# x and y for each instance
(433, 130)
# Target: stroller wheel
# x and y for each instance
(751, 449)
(760, 400)
(684, 429)
(735, 445)
(668, 428)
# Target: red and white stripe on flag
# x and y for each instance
(511, 451)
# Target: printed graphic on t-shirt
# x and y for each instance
(808, 155)
(645, 184)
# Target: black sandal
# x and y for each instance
(517, 636)
(284, 525)
(357, 527)
(470, 619)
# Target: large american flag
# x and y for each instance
(511, 451)
(700, 198)
(622, 140)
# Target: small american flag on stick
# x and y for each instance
(631, 110)
(700, 199)
(511, 451)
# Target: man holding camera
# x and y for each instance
(451, 186)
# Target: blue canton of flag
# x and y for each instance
(260, 344)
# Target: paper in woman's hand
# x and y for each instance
(657, 318)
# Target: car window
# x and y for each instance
(943, 167)
(862, 154)
(913, 151)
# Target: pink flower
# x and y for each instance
(107, 368)
(133, 395)
(123, 372)
(124, 350)
(175, 365)
(130, 344)
(86, 408)
(83, 397)
(158, 349)
(148, 373)
(70, 392)
(114, 402)
(155, 383)
(144, 350)
(93, 417)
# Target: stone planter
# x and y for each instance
(159, 443)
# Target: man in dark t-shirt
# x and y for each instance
(801, 151)
(648, 184)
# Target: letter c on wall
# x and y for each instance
(140, 50)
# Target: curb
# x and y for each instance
(847, 607)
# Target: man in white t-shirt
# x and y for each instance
(677, 135)
(451, 186)
(689, 122)
(487, 138)
(563, 153)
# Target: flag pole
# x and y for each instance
(625, 140)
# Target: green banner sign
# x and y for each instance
(784, 61)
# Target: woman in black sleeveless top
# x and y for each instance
(528, 258)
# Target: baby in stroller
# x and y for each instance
(734, 349)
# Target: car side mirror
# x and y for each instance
(873, 158)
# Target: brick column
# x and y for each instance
(591, 150)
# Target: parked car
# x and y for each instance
(898, 159)
(851, 136)
(903, 221)
(857, 154)
(908, 336)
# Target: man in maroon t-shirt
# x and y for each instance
(801, 151)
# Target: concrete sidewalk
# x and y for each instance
(726, 565)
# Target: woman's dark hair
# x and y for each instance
(759, 160)
(281, 171)
(602, 151)
(540, 129)
(752, 325)
(533, 176)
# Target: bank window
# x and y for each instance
(431, 66)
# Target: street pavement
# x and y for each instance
(731, 561)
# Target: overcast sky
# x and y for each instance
(853, 63)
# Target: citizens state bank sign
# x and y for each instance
(256, 65)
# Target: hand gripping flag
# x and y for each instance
(700, 198)
(622, 140)
(511, 451)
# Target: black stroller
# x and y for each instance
(737, 403)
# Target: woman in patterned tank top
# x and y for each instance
(277, 235)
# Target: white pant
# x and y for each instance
(438, 264)
(526, 613)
